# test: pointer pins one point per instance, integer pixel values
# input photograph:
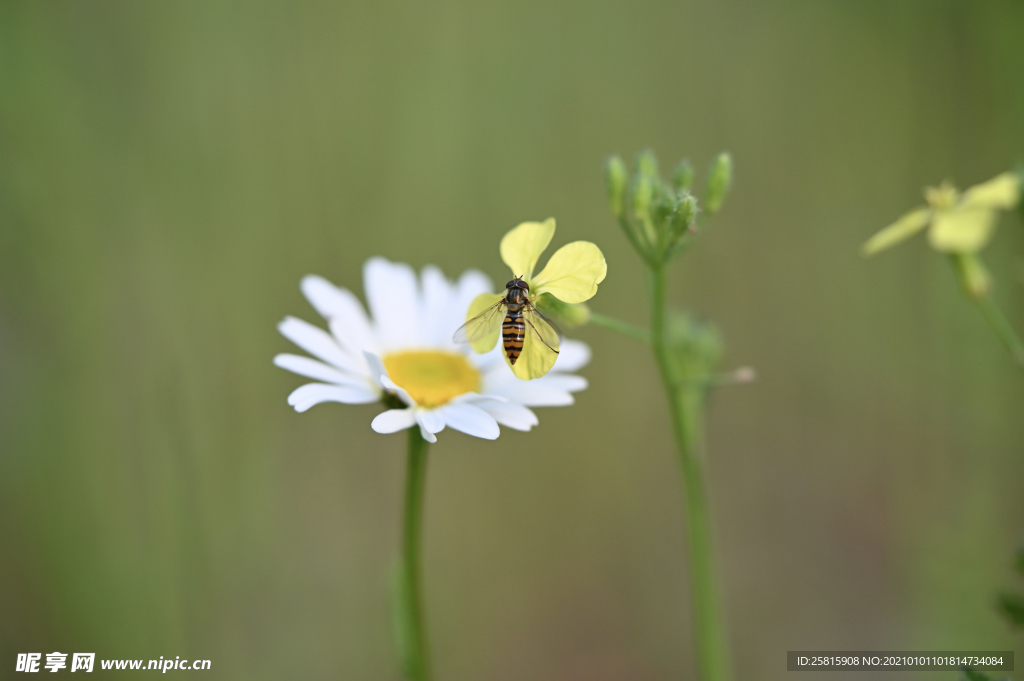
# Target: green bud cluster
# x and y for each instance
(661, 218)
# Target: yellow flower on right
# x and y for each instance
(960, 222)
(571, 275)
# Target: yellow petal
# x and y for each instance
(962, 229)
(536, 359)
(901, 230)
(522, 246)
(484, 343)
(572, 274)
(1002, 192)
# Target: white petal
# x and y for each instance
(510, 414)
(317, 370)
(322, 295)
(477, 398)
(430, 420)
(375, 366)
(437, 314)
(530, 393)
(496, 375)
(470, 420)
(304, 366)
(398, 390)
(394, 299)
(351, 338)
(490, 361)
(572, 356)
(427, 435)
(304, 397)
(566, 382)
(318, 343)
(344, 313)
(352, 327)
(394, 420)
(471, 284)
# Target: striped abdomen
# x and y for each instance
(513, 330)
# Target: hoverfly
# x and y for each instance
(522, 318)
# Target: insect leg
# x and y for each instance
(539, 336)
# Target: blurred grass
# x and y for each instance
(168, 173)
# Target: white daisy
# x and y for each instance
(405, 356)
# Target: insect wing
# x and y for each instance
(540, 346)
(541, 328)
(480, 326)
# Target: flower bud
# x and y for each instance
(663, 207)
(647, 163)
(615, 175)
(569, 316)
(719, 179)
(684, 214)
(682, 177)
(643, 191)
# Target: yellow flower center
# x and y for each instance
(432, 377)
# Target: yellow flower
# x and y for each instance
(960, 223)
(571, 275)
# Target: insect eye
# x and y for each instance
(523, 284)
(510, 284)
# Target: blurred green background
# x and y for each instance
(169, 171)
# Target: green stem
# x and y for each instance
(625, 328)
(412, 632)
(997, 320)
(686, 400)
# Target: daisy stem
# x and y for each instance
(997, 320)
(686, 402)
(412, 632)
(625, 328)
